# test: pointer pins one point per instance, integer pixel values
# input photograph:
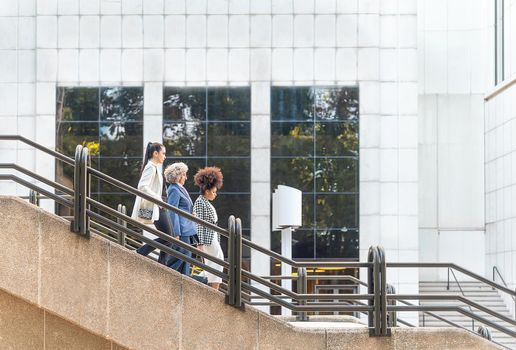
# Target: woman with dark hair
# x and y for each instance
(209, 180)
(151, 183)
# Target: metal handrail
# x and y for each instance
(495, 269)
(461, 292)
(377, 298)
(455, 267)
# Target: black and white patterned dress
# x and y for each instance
(203, 209)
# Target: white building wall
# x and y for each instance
(453, 59)
(258, 43)
(500, 164)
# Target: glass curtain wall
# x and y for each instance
(314, 134)
(109, 121)
(211, 126)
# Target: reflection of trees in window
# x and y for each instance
(314, 134)
(211, 126)
(109, 121)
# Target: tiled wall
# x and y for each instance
(500, 166)
(454, 52)
(369, 43)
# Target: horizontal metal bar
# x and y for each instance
(158, 202)
(320, 277)
(301, 308)
(36, 176)
(36, 188)
(160, 246)
(59, 156)
(455, 267)
(154, 231)
(451, 297)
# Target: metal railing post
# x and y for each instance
(448, 284)
(34, 197)
(383, 291)
(230, 297)
(392, 317)
(76, 190)
(121, 233)
(374, 288)
(85, 190)
(302, 287)
(238, 263)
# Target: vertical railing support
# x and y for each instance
(302, 288)
(85, 191)
(121, 234)
(238, 263)
(34, 197)
(392, 317)
(385, 331)
(77, 190)
(230, 297)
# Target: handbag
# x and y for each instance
(146, 208)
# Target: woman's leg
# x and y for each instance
(164, 225)
(215, 250)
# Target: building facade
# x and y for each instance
(374, 109)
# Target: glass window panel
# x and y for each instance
(302, 244)
(229, 139)
(69, 135)
(127, 170)
(233, 204)
(184, 139)
(292, 103)
(77, 104)
(336, 139)
(121, 139)
(308, 210)
(336, 103)
(294, 172)
(121, 104)
(336, 175)
(336, 211)
(336, 244)
(292, 139)
(229, 103)
(236, 171)
(184, 104)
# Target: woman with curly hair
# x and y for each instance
(209, 181)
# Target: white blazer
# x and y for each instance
(151, 183)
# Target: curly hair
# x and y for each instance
(207, 178)
(174, 171)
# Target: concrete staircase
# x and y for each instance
(476, 291)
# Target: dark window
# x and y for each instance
(212, 127)
(109, 121)
(315, 148)
(499, 41)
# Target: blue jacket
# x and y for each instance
(178, 196)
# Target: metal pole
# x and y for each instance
(230, 297)
(238, 263)
(383, 291)
(76, 190)
(85, 184)
(370, 287)
(302, 286)
(121, 233)
(448, 284)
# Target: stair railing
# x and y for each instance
(461, 292)
(88, 218)
(497, 271)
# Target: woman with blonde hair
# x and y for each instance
(209, 180)
(183, 229)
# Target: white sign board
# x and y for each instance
(286, 207)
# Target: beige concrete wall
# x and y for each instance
(25, 326)
(133, 301)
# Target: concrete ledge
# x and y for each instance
(135, 302)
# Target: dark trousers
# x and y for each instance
(176, 263)
(164, 225)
